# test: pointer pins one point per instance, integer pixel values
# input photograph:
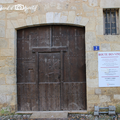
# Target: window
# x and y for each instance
(111, 21)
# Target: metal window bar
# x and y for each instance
(115, 21)
(110, 22)
(106, 24)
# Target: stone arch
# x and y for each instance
(14, 25)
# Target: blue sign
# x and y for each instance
(96, 48)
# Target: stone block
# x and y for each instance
(92, 74)
(42, 18)
(93, 98)
(96, 54)
(115, 46)
(35, 20)
(3, 98)
(89, 47)
(3, 43)
(77, 19)
(2, 31)
(91, 24)
(7, 52)
(46, 6)
(12, 15)
(57, 17)
(9, 24)
(100, 39)
(29, 21)
(63, 19)
(71, 16)
(15, 23)
(7, 70)
(11, 80)
(11, 43)
(59, 6)
(117, 96)
(100, 12)
(92, 65)
(99, 29)
(90, 91)
(90, 55)
(93, 3)
(109, 3)
(6, 1)
(89, 14)
(105, 47)
(10, 33)
(92, 83)
(52, 4)
(90, 37)
(99, 20)
(2, 23)
(2, 63)
(98, 91)
(49, 115)
(2, 80)
(64, 13)
(10, 61)
(112, 38)
(86, 8)
(2, 15)
(95, 12)
(21, 22)
(49, 17)
(84, 21)
(8, 89)
(11, 99)
(104, 98)
(73, 8)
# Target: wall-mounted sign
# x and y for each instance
(96, 48)
(109, 69)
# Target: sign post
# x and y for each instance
(109, 69)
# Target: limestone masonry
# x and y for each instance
(87, 13)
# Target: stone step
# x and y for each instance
(50, 114)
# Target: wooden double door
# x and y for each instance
(51, 73)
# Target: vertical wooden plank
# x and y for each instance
(51, 41)
(61, 83)
(37, 78)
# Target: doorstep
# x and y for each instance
(50, 114)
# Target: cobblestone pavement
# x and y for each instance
(70, 117)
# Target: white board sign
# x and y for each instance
(109, 69)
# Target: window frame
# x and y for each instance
(105, 14)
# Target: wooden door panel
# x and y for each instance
(49, 81)
(74, 97)
(49, 97)
(51, 70)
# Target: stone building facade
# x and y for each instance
(87, 13)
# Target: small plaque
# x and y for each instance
(96, 48)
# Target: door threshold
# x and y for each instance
(50, 114)
(31, 112)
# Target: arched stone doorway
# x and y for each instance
(51, 73)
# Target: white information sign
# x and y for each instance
(109, 69)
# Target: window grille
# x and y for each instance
(110, 21)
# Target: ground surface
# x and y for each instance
(70, 117)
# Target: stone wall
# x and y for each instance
(88, 13)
